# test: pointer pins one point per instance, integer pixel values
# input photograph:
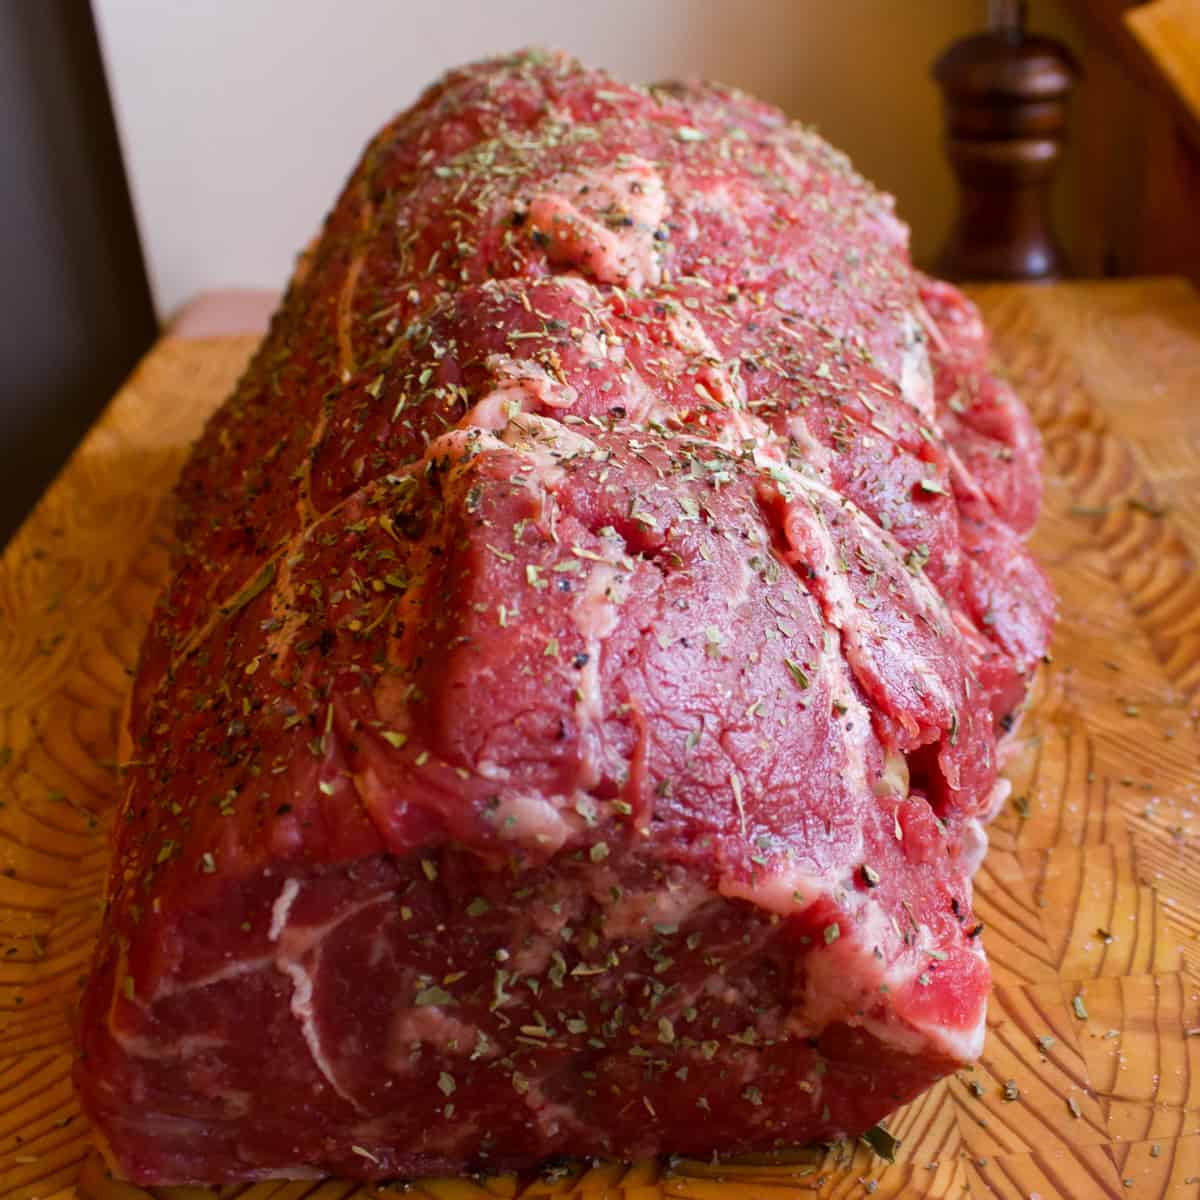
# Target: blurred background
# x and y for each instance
(294, 98)
(151, 151)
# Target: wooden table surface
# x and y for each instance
(1090, 895)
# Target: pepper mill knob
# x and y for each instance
(1005, 96)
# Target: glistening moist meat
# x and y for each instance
(572, 722)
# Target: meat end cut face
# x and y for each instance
(574, 717)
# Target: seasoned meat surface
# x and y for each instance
(572, 722)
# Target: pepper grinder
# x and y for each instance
(1005, 96)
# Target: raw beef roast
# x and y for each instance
(572, 724)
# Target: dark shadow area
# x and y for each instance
(75, 307)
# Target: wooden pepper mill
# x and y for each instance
(1006, 96)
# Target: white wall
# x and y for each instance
(241, 118)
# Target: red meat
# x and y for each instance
(571, 724)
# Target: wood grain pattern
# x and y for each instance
(1091, 893)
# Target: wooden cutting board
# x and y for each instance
(1091, 893)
